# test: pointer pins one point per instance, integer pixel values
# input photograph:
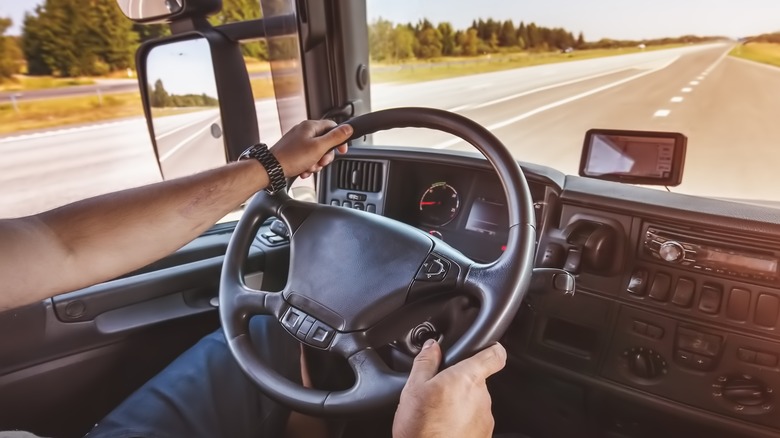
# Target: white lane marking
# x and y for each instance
(180, 128)
(54, 133)
(712, 66)
(549, 87)
(188, 139)
(687, 90)
(552, 105)
(694, 82)
(700, 78)
(460, 108)
(677, 99)
(662, 113)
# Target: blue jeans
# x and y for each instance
(204, 393)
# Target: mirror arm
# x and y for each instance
(280, 25)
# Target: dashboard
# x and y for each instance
(677, 303)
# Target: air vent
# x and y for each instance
(361, 176)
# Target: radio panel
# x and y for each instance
(704, 255)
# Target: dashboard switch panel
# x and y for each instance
(638, 282)
(711, 296)
(766, 310)
(683, 292)
(738, 305)
(659, 290)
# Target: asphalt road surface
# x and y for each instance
(727, 108)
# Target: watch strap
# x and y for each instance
(260, 152)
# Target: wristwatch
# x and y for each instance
(260, 152)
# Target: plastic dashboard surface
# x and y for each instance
(698, 344)
(459, 199)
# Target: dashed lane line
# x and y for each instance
(676, 99)
(662, 113)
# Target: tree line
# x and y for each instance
(159, 97)
(765, 38)
(389, 41)
(70, 38)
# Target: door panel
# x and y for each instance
(67, 361)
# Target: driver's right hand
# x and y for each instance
(453, 403)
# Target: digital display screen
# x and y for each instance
(487, 217)
(739, 261)
(646, 157)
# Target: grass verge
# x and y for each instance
(42, 114)
(766, 53)
(21, 83)
(447, 68)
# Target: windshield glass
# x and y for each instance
(541, 74)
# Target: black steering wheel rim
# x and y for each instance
(499, 286)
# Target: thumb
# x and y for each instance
(426, 364)
(336, 136)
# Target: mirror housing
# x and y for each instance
(222, 68)
(154, 11)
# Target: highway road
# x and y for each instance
(727, 107)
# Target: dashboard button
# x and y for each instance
(738, 305)
(684, 358)
(359, 206)
(639, 327)
(654, 331)
(710, 299)
(434, 268)
(335, 202)
(347, 204)
(371, 208)
(573, 261)
(701, 363)
(659, 290)
(766, 359)
(638, 282)
(305, 327)
(292, 319)
(320, 335)
(683, 292)
(766, 310)
(356, 196)
(746, 355)
(697, 342)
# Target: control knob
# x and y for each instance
(645, 363)
(744, 393)
(671, 251)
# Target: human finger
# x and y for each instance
(426, 364)
(483, 364)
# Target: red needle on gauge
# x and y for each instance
(430, 203)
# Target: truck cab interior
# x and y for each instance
(632, 274)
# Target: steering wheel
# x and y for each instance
(351, 272)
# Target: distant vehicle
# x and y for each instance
(642, 46)
(567, 50)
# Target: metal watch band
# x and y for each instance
(276, 179)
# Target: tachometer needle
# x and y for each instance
(430, 203)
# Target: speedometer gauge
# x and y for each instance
(439, 204)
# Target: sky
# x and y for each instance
(618, 19)
(176, 65)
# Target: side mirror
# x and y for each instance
(197, 100)
(150, 11)
(183, 105)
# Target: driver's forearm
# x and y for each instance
(101, 238)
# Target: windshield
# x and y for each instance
(541, 74)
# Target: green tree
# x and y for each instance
(64, 38)
(448, 41)
(11, 58)
(580, 41)
(380, 40)
(508, 35)
(429, 44)
(159, 98)
(403, 43)
(469, 42)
